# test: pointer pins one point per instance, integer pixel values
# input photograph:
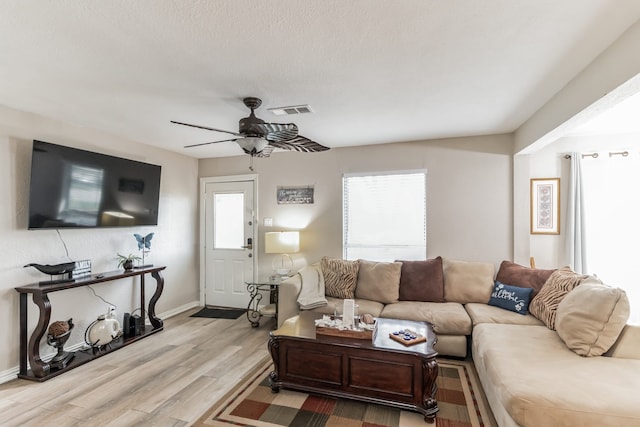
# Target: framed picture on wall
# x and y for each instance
(545, 206)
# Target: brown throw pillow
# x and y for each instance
(523, 277)
(559, 284)
(340, 277)
(422, 281)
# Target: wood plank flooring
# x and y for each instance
(167, 379)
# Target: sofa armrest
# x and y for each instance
(288, 292)
(627, 346)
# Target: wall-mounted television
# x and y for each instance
(72, 188)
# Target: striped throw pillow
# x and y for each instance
(340, 277)
(560, 283)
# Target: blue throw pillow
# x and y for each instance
(511, 298)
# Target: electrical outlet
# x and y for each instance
(267, 222)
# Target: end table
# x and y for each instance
(255, 309)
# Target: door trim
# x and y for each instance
(202, 200)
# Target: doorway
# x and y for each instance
(228, 240)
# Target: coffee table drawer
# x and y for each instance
(384, 378)
(312, 365)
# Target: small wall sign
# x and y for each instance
(295, 195)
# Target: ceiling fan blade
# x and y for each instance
(299, 143)
(206, 128)
(207, 143)
(275, 131)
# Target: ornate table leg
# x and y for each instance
(23, 334)
(253, 315)
(429, 387)
(273, 299)
(39, 368)
(143, 309)
(156, 322)
(274, 347)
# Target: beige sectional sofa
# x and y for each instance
(574, 364)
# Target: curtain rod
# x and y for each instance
(618, 153)
(595, 155)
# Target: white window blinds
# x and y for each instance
(384, 216)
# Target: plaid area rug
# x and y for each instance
(253, 404)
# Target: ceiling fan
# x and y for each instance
(259, 139)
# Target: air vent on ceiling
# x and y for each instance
(293, 109)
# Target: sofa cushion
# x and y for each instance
(511, 298)
(378, 281)
(422, 281)
(513, 274)
(590, 318)
(447, 318)
(559, 284)
(340, 277)
(540, 382)
(467, 281)
(483, 313)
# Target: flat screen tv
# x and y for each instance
(72, 188)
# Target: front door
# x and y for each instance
(229, 242)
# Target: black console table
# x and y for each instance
(41, 370)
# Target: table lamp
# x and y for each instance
(283, 243)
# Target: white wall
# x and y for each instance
(617, 65)
(549, 251)
(469, 194)
(173, 245)
(609, 79)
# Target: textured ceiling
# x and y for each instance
(373, 71)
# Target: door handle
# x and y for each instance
(249, 244)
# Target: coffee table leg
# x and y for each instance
(274, 347)
(430, 387)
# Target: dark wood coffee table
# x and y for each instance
(378, 371)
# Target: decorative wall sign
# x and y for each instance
(295, 195)
(545, 206)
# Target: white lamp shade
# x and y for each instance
(252, 144)
(281, 242)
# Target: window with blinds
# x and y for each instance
(385, 216)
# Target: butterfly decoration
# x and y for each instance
(144, 242)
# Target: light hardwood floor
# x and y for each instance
(167, 379)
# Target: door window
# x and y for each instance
(228, 228)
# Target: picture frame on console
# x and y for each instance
(545, 206)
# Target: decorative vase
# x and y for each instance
(128, 264)
(102, 332)
(59, 333)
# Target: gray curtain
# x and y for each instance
(575, 229)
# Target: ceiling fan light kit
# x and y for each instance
(258, 138)
(252, 145)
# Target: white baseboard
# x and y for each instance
(10, 374)
(178, 310)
